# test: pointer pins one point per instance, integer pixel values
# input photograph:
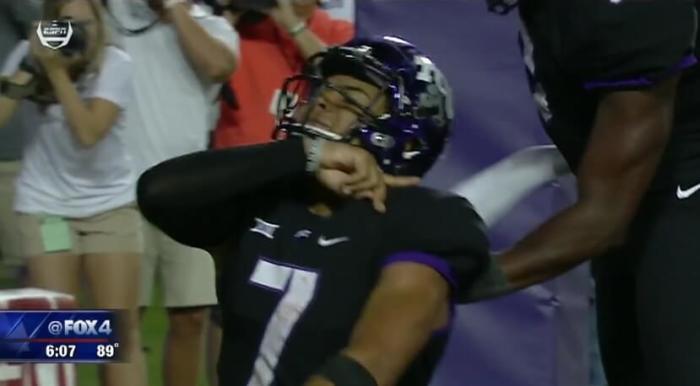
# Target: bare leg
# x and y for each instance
(114, 282)
(183, 345)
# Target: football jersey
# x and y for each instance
(293, 284)
(577, 50)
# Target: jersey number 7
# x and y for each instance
(297, 286)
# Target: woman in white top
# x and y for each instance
(75, 191)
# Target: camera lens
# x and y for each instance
(78, 41)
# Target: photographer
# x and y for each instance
(182, 54)
(275, 42)
(15, 20)
(75, 191)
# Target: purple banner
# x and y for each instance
(538, 337)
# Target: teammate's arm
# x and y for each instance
(630, 132)
(409, 303)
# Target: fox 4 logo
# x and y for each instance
(87, 327)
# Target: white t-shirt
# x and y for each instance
(340, 9)
(172, 110)
(61, 177)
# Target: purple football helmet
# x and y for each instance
(411, 135)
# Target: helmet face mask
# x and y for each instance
(304, 96)
(401, 115)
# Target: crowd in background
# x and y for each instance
(155, 79)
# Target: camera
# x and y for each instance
(67, 36)
(255, 5)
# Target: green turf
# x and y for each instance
(152, 333)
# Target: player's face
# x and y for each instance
(347, 104)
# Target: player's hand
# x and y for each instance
(352, 171)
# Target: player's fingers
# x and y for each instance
(363, 194)
(360, 175)
(376, 196)
(373, 178)
(400, 181)
(350, 186)
(367, 184)
(364, 161)
(332, 179)
(379, 198)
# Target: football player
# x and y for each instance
(333, 268)
(618, 91)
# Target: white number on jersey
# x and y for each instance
(297, 288)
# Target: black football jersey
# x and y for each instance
(576, 50)
(293, 284)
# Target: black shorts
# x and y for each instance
(648, 290)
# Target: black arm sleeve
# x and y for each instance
(199, 199)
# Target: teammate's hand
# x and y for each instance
(351, 171)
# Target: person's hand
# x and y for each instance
(51, 60)
(283, 14)
(351, 171)
(229, 14)
(157, 6)
(21, 78)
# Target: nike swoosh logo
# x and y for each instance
(683, 194)
(322, 241)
